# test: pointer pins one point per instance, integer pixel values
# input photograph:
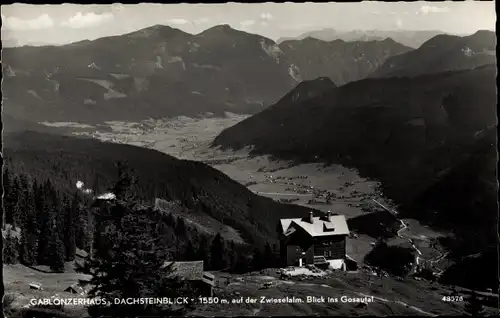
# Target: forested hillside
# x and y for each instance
(42, 171)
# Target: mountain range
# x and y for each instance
(412, 39)
(341, 61)
(162, 71)
(442, 53)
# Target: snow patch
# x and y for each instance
(159, 63)
(32, 92)
(193, 47)
(88, 101)
(119, 75)
(468, 52)
(9, 71)
(293, 71)
(94, 66)
(272, 50)
(177, 59)
(111, 93)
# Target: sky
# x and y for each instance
(65, 23)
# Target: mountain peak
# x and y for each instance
(156, 30)
(484, 32)
(309, 89)
(221, 28)
(389, 40)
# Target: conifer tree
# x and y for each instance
(10, 251)
(190, 254)
(29, 231)
(217, 253)
(203, 252)
(180, 227)
(132, 263)
(10, 197)
(232, 256)
(56, 249)
(257, 259)
(70, 228)
(15, 203)
(44, 234)
(269, 257)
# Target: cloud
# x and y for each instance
(87, 20)
(43, 21)
(201, 21)
(247, 23)
(266, 16)
(431, 9)
(178, 21)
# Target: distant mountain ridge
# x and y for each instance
(442, 53)
(157, 71)
(160, 72)
(341, 61)
(411, 39)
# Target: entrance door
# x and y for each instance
(300, 262)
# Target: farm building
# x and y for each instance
(36, 286)
(194, 276)
(319, 241)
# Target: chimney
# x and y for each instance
(329, 215)
(311, 217)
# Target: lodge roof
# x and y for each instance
(320, 226)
